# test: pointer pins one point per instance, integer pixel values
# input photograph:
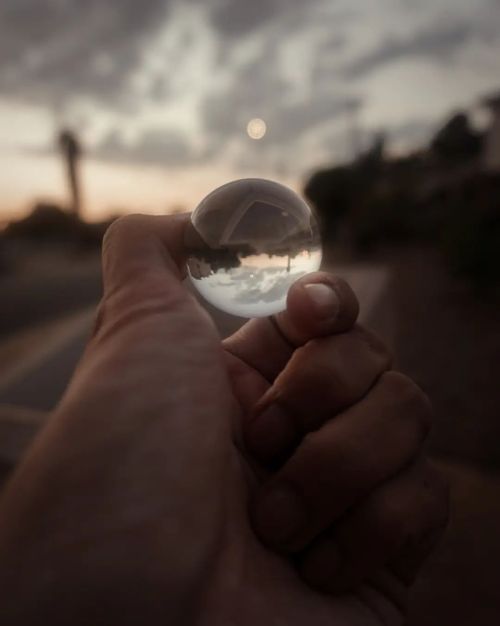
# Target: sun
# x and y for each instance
(256, 128)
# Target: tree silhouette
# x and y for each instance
(71, 151)
(457, 141)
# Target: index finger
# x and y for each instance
(318, 305)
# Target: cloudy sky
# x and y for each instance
(161, 91)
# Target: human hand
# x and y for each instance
(132, 505)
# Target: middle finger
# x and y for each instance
(321, 379)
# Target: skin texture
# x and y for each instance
(278, 478)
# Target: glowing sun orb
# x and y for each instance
(256, 128)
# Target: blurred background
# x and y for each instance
(385, 115)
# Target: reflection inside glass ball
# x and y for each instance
(249, 241)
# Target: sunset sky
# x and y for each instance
(162, 92)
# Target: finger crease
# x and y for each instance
(278, 329)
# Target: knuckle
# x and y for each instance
(375, 345)
(308, 447)
(122, 228)
(399, 385)
(325, 371)
(411, 402)
(335, 463)
(314, 384)
(334, 372)
(390, 517)
(325, 460)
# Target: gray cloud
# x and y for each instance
(255, 87)
(258, 88)
(250, 290)
(236, 18)
(435, 43)
(292, 120)
(156, 146)
(60, 52)
(227, 113)
(56, 51)
(52, 51)
(414, 132)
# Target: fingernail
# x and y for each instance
(270, 434)
(324, 299)
(279, 515)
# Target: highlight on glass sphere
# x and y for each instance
(248, 242)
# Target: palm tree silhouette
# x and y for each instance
(71, 152)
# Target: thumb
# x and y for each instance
(144, 264)
(138, 249)
(152, 386)
(133, 461)
(155, 356)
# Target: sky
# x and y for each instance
(161, 92)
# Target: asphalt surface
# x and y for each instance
(29, 298)
(58, 290)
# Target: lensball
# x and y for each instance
(249, 241)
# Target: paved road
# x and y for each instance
(39, 378)
(47, 291)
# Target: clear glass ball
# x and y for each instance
(250, 241)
